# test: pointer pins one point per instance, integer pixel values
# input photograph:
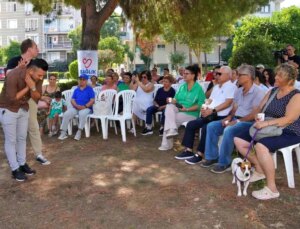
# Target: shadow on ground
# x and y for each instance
(109, 184)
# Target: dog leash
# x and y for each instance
(251, 144)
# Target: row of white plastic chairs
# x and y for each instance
(112, 97)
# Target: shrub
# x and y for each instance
(255, 51)
(67, 85)
(73, 69)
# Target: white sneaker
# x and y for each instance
(164, 148)
(41, 159)
(50, 134)
(256, 176)
(78, 135)
(63, 135)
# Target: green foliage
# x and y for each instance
(227, 52)
(106, 58)
(254, 51)
(12, 50)
(2, 59)
(113, 44)
(75, 36)
(60, 75)
(177, 59)
(73, 69)
(67, 85)
(282, 28)
(67, 75)
(147, 60)
(111, 27)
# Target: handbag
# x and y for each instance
(268, 131)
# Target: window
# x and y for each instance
(12, 23)
(11, 6)
(161, 46)
(31, 24)
(265, 9)
(28, 8)
(34, 37)
(52, 56)
(11, 38)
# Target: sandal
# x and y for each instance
(265, 194)
(256, 176)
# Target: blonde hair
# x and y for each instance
(288, 70)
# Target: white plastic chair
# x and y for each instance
(97, 90)
(67, 94)
(176, 86)
(109, 96)
(156, 87)
(288, 162)
(128, 97)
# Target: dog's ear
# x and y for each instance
(239, 164)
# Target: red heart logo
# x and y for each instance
(87, 62)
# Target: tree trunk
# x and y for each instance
(198, 56)
(205, 61)
(175, 46)
(190, 56)
(92, 22)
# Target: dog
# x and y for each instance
(241, 174)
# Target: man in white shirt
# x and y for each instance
(220, 104)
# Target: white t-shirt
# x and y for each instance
(220, 94)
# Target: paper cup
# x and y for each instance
(169, 99)
(261, 117)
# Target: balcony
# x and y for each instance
(59, 46)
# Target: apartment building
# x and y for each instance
(18, 22)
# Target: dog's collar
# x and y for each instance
(235, 174)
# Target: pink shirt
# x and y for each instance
(105, 87)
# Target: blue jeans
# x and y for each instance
(214, 130)
(151, 111)
(189, 134)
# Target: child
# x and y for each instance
(57, 106)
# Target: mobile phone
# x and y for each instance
(178, 105)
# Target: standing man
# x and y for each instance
(292, 58)
(29, 51)
(21, 84)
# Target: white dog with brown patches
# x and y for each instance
(241, 174)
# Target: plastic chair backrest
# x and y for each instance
(67, 94)
(107, 96)
(97, 90)
(128, 97)
(176, 86)
(156, 87)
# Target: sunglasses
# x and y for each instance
(144, 77)
(219, 73)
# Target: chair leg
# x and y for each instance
(288, 161)
(123, 130)
(297, 149)
(97, 125)
(88, 128)
(115, 126)
(103, 126)
(274, 156)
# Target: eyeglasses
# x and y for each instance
(82, 79)
(144, 77)
(219, 73)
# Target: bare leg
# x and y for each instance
(242, 146)
(266, 162)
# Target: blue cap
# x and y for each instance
(84, 76)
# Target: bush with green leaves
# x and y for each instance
(253, 52)
(73, 69)
(177, 59)
(67, 85)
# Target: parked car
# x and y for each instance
(2, 73)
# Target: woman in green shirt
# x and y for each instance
(184, 107)
(125, 85)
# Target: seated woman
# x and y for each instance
(48, 92)
(184, 107)
(159, 104)
(144, 94)
(284, 110)
(125, 84)
(109, 82)
(260, 80)
(94, 82)
(269, 77)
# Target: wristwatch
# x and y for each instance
(33, 89)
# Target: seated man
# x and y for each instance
(82, 101)
(160, 103)
(246, 100)
(220, 105)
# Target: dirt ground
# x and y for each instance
(109, 184)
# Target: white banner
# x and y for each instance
(88, 62)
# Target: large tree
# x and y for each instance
(93, 12)
(195, 18)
